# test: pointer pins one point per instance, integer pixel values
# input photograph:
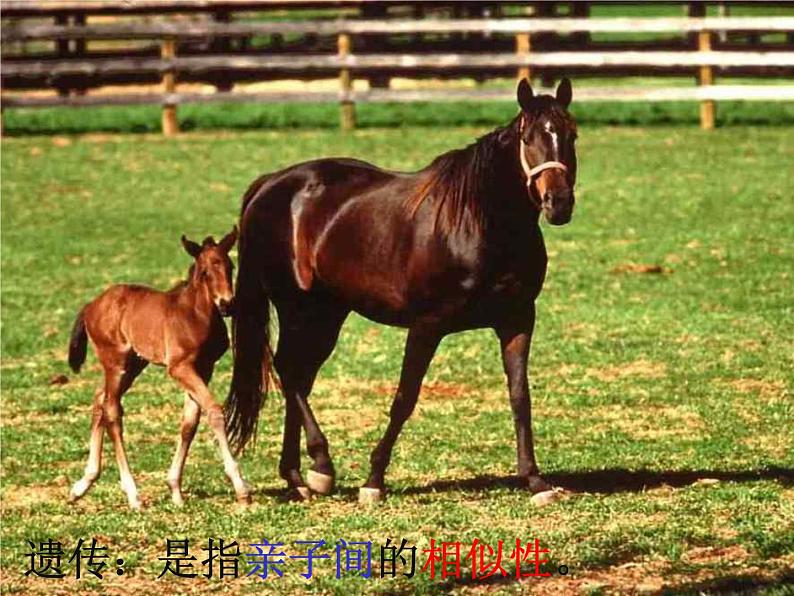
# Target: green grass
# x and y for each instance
(642, 383)
(312, 116)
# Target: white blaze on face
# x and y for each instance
(554, 142)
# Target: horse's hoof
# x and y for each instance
(546, 497)
(367, 495)
(298, 493)
(73, 497)
(177, 499)
(320, 483)
(244, 500)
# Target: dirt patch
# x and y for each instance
(652, 577)
(648, 423)
(438, 390)
(640, 268)
(369, 342)
(638, 368)
(22, 497)
(628, 578)
(709, 555)
(356, 422)
(769, 390)
(769, 444)
(221, 187)
(581, 330)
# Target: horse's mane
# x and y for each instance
(459, 180)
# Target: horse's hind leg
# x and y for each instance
(119, 376)
(187, 375)
(191, 415)
(308, 334)
(94, 466)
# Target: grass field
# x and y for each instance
(663, 399)
(419, 114)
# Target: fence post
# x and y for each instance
(169, 122)
(79, 48)
(222, 45)
(523, 46)
(348, 108)
(62, 47)
(706, 77)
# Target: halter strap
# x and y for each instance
(532, 172)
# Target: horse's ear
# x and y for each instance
(564, 93)
(193, 249)
(524, 94)
(228, 240)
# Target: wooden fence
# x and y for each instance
(345, 61)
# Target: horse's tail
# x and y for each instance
(253, 356)
(78, 343)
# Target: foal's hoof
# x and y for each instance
(243, 500)
(547, 497)
(78, 490)
(320, 483)
(75, 494)
(367, 495)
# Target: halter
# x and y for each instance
(532, 172)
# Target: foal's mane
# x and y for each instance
(458, 182)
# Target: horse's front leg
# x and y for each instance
(515, 341)
(419, 350)
(186, 374)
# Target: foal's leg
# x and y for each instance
(419, 350)
(306, 340)
(118, 379)
(185, 373)
(94, 466)
(515, 342)
(191, 414)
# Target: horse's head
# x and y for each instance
(547, 153)
(213, 268)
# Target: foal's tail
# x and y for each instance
(253, 356)
(77, 343)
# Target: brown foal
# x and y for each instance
(181, 329)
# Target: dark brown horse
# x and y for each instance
(131, 326)
(455, 246)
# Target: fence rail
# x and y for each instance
(186, 30)
(703, 93)
(396, 61)
(347, 62)
(332, 63)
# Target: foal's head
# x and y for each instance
(547, 153)
(213, 268)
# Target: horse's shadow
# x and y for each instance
(609, 481)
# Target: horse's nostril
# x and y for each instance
(226, 306)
